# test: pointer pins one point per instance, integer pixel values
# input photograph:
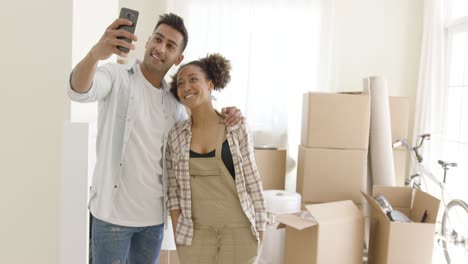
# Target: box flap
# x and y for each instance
(300, 246)
(424, 202)
(399, 197)
(295, 221)
(373, 203)
(352, 92)
(334, 211)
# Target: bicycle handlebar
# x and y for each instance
(417, 164)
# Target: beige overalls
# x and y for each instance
(222, 232)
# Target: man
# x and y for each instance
(136, 112)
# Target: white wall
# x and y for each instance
(74, 215)
(90, 20)
(36, 57)
(378, 37)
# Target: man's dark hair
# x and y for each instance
(175, 22)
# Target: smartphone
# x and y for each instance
(131, 15)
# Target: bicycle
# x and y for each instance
(452, 231)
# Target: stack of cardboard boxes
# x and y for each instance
(332, 160)
(331, 172)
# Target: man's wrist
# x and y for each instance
(92, 57)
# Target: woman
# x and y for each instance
(215, 192)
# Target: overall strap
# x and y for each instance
(220, 141)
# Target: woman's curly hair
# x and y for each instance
(216, 68)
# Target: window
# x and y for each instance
(278, 50)
(451, 141)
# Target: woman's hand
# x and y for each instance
(260, 235)
(174, 218)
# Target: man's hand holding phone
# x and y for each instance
(115, 40)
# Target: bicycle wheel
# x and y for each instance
(455, 231)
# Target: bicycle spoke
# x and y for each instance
(455, 232)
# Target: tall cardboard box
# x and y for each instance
(327, 175)
(399, 117)
(334, 120)
(324, 234)
(399, 162)
(271, 164)
(397, 242)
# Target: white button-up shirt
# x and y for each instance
(112, 89)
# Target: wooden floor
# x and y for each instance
(437, 258)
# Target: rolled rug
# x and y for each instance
(380, 134)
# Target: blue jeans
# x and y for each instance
(115, 244)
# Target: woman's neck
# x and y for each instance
(204, 116)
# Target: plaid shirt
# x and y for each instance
(248, 182)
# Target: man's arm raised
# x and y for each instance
(83, 73)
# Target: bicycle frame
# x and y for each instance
(420, 170)
(424, 174)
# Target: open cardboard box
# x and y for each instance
(323, 234)
(398, 242)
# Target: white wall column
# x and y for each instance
(36, 57)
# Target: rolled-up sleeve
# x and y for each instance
(173, 202)
(101, 87)
(252, 178)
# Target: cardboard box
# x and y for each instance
(327, 175)
(397, 242)
(332, 120)
(399, 117)
(365, 211)
(330, 233)
(271, 165)
(399, 160)
(168, 257)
